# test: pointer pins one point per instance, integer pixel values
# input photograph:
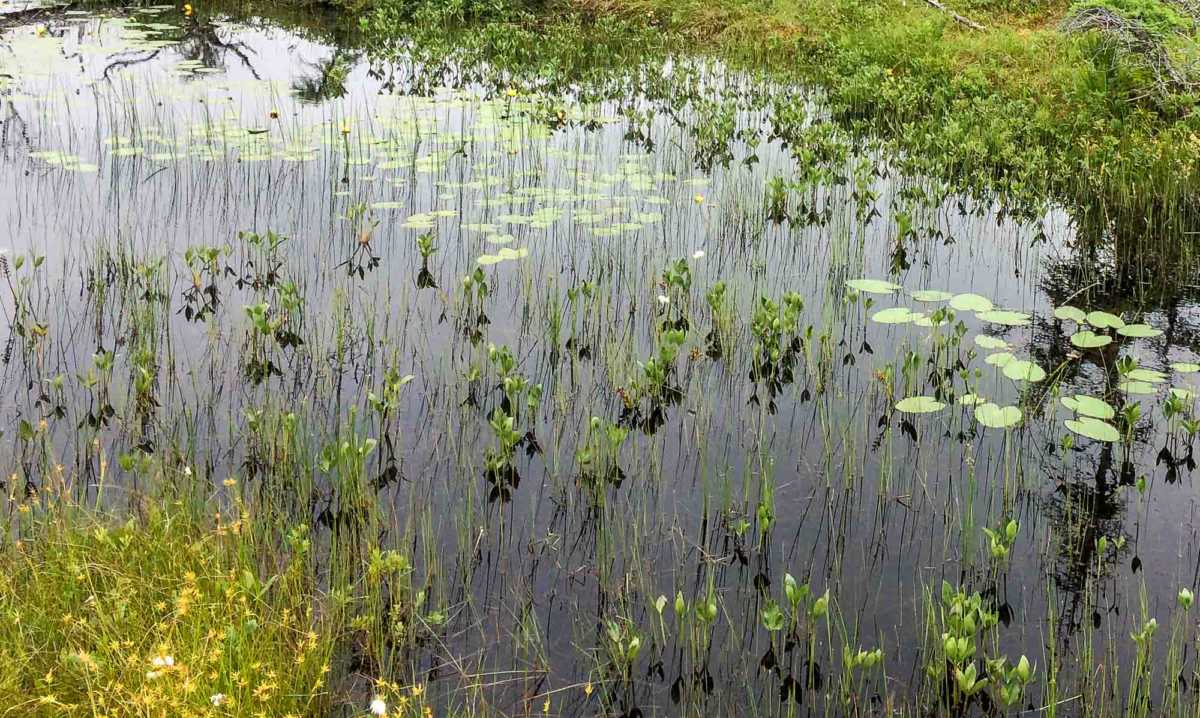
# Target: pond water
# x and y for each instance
(236, 251)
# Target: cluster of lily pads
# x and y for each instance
(1094, 330)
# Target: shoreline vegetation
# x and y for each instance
(1091, 103)
(200, 591)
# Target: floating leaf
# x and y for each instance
(1071, 313)
(919, 405)
(1185, 394)
(1139, 331)
(1136, 387)
(895, 315)
(1104, 320)
(971, 399)
(971, 303)
(1090, 340)
(1149, 376)
(1094, 429)
(999, 358)
(1005, 317)
(931, 295)
(989, 342)
(873, 286)
(1185, 367)
(1022, 370)
(997, 417)
(1089, 406)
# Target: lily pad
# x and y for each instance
(1090, 340)
(1094, 429)
(1022, 370)
(931, 295)
(999, 358)
(971, 303)
(997, 417)
(873, 286)
(1136, 387)
(1138, 331)
(1005, 317)
(989, 342)
(971, 400)
(1073, 314)
(1149, 376)
(1185, 367)
(1104, 320)
(895, 315)
(1089, 406)
(919, 405)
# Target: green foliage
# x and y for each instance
(1155, 15)
(168, 611)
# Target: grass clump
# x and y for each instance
(169, 613)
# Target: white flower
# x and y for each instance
(378, 707)
(217, 699)
(664, 299)
(698, 254)
(163, 661)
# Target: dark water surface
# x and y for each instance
(129, 138)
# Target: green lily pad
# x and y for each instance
(971, 303)
(1136, 387)
(1022, 370)
(988, 342)
(895, 315)
(1138, 331)
(997, 417)
(1089, 406)
(919, 405)
(1090, 340)
(1005, 317)
(1070, 313)
(1185, 367)
(1104, 320)
(931, 295)
(999, 359)
(873, 286)
(1149, 376)
(1094, 429)
(971, 400)
(1185, 394)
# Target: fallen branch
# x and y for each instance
(957, 18)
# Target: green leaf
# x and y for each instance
(1136, 387)
(1138, 331)
(1090, 340)
(931, 295)
(1104, 320)
(1089, 406)
(971, 399)
(997, 417)
(1149, 376)
(1185, 367)
(1094, 429)
(919, 405)
(971, 303)
(873, 286)
(988, 342)
(1070, 313)
(895, 315)
(1021, 370)
(999, 359)
(1005, 317)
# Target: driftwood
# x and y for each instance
(955, 16)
